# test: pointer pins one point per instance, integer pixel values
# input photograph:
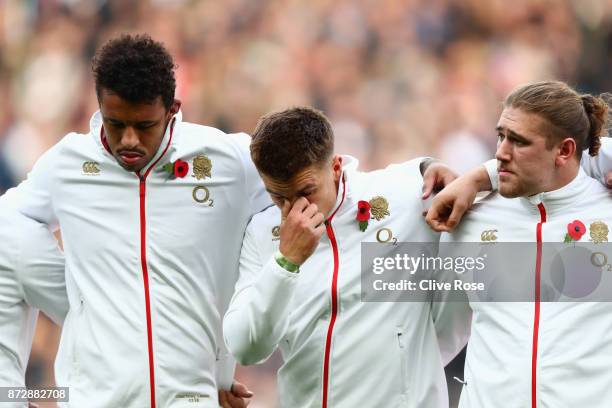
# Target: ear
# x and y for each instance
(566, 150)
(337, 167)
(176, 106)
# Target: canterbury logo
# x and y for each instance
(90, 167)
(488, 235)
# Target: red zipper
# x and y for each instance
(145, 277)
(145, 269)
(334, 298)
(536, 315)
(334, 313)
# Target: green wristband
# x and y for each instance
(285, 263)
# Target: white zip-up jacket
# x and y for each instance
(538, 354)
(31, 279)
(339, 351)
(151, 263)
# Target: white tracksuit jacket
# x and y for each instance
(151, 263)
(31, 278)
(538, 354)
(338, 351)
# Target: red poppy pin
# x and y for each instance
(575, 231)
(179, 168)
(363, 214)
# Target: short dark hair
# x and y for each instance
(136, 68)
(567, 113)
(286, 142)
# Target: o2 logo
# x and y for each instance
(600, 260)
(385, 235)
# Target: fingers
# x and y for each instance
(433, 213)
(320, 230)
(223, 399)
(439, 226)
(301, 231)
(285, 210)
(429, 182)
(299, 206)
(240, 390)
(438, 215)
(311, 210)
(457, 213)
(609, 179)
(436, 177)
(234, 401)
(449, 178)
(310, 213)
(317, 220)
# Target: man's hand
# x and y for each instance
(237, 397)
(436, 176)
(300, 230)
(455, 199)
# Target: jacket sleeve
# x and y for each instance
(452, 320)
(33, 197)
(451, 312)
(598, 166)
(225, 368)
(258, 313)
(258, 196)
(410, 168)
(40, 271)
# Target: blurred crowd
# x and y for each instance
(398, 78)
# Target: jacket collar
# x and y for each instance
(160, 157)
(344, 197)
(560, 199)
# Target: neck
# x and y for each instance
(563, 176)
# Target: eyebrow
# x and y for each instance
(142, 123)
(274, 192)
(305, 188)
(512, 133)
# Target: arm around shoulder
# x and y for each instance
(598, 167)
(255, 191)
(34, 196)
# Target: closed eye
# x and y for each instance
(114, 124)
(518, 141)
(146, 125)
(276, 197)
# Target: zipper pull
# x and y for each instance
(400, 339)
(459, 380)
